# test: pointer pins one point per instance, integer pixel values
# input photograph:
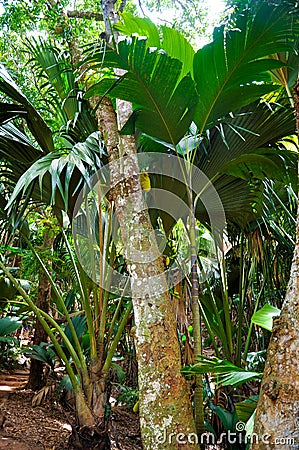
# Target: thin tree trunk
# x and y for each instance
(36, 376)
(277, 416)
(198, 390)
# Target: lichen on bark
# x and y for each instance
(165, 405)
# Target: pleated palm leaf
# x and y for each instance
(237, 156)
(221, 77)
(60, 87)
(171, 86)
(30, 162)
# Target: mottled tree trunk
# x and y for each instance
(165, 407)
(166, 416)
(36, 377)
(277, 416)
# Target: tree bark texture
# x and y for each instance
(165, 406)
(277, 416)
(36, 376)
(78, 14)
(166, 416)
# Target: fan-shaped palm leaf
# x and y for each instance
(231, 71)
(234, 154)
(172, 41)
(164, 102)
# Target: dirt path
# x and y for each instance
(24, 427)
(48, 427)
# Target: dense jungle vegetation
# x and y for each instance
(148, 201)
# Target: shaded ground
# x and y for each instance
(48, 427)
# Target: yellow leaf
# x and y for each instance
(145, 181)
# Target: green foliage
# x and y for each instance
(8, 325)
(42, 352)
(77, 164)
(9, 345)
(246, 408)
(227, 418)
(239, 60)
(224, 372)
(232, 71)
(36, 124)
(207, 95)
(127, 396)
(74, 118)
(165, 104)
(171, 41)
(261, 164)
(264, 317)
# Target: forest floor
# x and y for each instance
(48, 426)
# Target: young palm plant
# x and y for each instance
(85, 352)
(172, 86)
(61, 173)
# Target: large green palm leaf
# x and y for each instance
(233, 70)
(237, 156)
(164, 100)
(171, 41)
(255, 126)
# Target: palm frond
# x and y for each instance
(224, 372)
(9, 112)
(67, 170)
(36, 124)
(233, 70)
(164, 101)
(172, 41)
(258, 125)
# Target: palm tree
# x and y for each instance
(172, 88)
(222, 77)
(61, 172)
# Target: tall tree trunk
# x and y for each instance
(196, 320)
(165, 407)
(166, 416)
(36, 377)
(277, 416)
